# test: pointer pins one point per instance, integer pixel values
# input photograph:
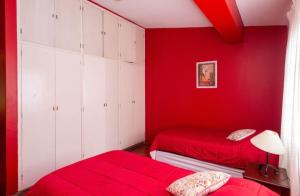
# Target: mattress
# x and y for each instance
(195, 165)
(211, 147)
(124, 173)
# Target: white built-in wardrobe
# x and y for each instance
(82, 84)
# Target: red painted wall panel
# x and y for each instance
(11, 97)
(2, 101)
(250, 79)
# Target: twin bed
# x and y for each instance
(206, 150)
(124, 173)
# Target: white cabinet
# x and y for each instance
(68, 101)
(51, 110)
(111, 33)
(126, 101)
(52, 22)
(112, 100)
(127, 37)
(138, 103)
(38, 117)
(92, 29)
(100, 105)
(68, 24)
(37, 21)
(94, 99)
(140, 46)
(100, 32)
(132, 100)
(82, 84)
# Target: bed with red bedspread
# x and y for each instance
(210, 146)
(124, 173)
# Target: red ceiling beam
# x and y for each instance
(225, 17)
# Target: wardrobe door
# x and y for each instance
(38, 117)
(37, 21)
(92, 29)
(112, 142)
(125, 111)
(68, 101)
(111, 33)
(138, 75)
(94, 106)
(127, 39)
(68, 24)
(140, 46)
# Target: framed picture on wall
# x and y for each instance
(206, 74)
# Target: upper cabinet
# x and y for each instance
(111, 32)
(68, 24)
(37, 21)
(100, 32)
(79, 24)
(92, 29)
(127, 37)
(55, 23)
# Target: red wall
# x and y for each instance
(250, 79)
(2, 100)
(11, 97)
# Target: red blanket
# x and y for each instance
(211, 147)
(123, 173)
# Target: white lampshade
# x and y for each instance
(268, 141)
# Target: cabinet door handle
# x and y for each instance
(56, 108)
(53, 108)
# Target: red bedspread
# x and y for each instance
(211, 147)
(124, 173)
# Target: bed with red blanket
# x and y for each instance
(210, 146)
(124, 173)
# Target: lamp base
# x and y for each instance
(265, 169)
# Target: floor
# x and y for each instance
(140, 149)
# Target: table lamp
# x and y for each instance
(269, 142)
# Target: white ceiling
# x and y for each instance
(185, 13)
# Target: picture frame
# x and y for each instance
(207, 74)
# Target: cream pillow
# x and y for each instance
(240, 134)
(197, 184)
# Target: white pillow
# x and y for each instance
(200, 183)
(240, 134)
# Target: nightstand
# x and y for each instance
(277, 182)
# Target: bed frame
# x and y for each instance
(193, 164)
